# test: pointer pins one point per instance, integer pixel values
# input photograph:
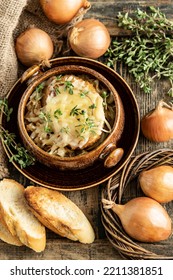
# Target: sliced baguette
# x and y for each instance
(6, 236)
(59, 214)
(18, 218)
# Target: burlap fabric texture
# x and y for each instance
(10, 12)
(15, 17)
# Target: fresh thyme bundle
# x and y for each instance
(148, 50)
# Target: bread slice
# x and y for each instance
(18, 218)
(59, 214)
(6, 236)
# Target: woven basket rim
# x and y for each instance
(114, 190)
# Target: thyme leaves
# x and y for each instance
(84, 93)
(57, 113)
(148, 52)
(39, 91)
(76, 111)
(69, 86)
(5, 109)
(93, 106)
(87, 125)
(47, 120)
(18, 153)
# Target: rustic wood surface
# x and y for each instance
(89, 200)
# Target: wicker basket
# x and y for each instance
(123, 187)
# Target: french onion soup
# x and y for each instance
(68, 115)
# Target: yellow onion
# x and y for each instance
(62, 11)
(157, 183)
(34, 46)
(157, 125)
(143, 219)
(89, 38)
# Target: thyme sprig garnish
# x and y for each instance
(57, 113)
(18, 153)
(5, 109)
(148, 52)
(93, 106)
(87, 125)
(86, 94)
(77, 111)
(69, 86)
(47, 120)
(39, 91)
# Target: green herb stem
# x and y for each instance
(18, 153)
(148, 52)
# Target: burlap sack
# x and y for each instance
(15, 17)
(10, 12)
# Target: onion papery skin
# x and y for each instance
(157, 183)
(144, 219)
(89, 38)
(62, 11)
(157, 125)
(34, 46)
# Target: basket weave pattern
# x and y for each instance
(117, 189)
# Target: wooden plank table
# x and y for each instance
(89, 200)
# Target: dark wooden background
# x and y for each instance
(89, 200)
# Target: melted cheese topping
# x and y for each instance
(76, 113)
(65, 114)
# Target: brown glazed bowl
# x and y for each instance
(107, 151)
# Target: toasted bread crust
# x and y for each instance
(6, 236)
(59, 214)
(18, 218)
